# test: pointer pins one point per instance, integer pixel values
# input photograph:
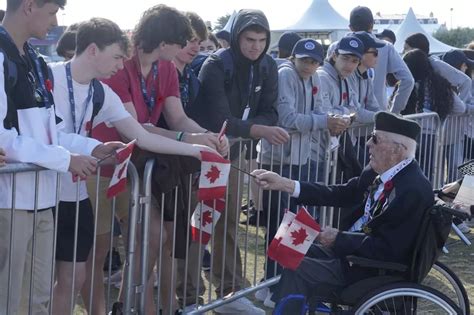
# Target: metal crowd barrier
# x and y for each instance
(27, 296)
(179, 277)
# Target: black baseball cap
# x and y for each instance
(388, 34)
(456, 58)
(308, 47)
(368, 40)
(288, 40)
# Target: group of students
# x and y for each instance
(153, 90)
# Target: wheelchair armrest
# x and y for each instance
(376, 264)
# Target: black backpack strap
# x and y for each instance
(227, 59)
(97, 100)
(10, 73)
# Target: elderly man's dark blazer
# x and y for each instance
(391, 235)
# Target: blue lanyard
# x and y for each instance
(72, 102)
(185, 86)
(34, 57)
(250, 85)
(150, 100)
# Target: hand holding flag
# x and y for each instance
(118, 182)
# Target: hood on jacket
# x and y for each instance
(244, 19)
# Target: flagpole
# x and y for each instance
(241, 170)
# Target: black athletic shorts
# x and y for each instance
(66, 229)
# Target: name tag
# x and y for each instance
(246, 113)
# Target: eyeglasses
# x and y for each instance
(373, 52)
(376, 140)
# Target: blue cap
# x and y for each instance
(456, 58)
(308, 47)
(288, 40)
(368, 40)
(350, 45)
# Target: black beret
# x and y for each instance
(396, 124)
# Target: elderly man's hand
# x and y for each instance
(327, 236)
(272, 181)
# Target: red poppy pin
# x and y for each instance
(344, 96)
(88, 126)
(315, 90)
(388, 186)
(49, 85)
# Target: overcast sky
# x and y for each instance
(280, 14)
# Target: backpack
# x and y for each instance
(11, 78)
(225, 54)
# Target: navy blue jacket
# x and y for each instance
(393, 233)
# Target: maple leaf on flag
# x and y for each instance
(299, 236)
(213, 174)
(206, 218)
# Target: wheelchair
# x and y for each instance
(397, 288)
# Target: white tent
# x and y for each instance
(411, 26)
(229, 23)
(320, 16)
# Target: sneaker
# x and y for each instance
(268, 300)
(464, 228)
(261, 294)
(206, 261)
(240, 306)
(117, 309)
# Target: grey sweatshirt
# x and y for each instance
(364, 97)
(295, 113)
(389, 61)
(457, 78)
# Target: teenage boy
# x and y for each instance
(28, 134)
(247, 100)
(100, 52)
(148, 86)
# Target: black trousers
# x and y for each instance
(319, 267)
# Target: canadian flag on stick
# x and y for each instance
(204, 218)
(118, 182)
(295, 240)
(288, 217)
(214, 175)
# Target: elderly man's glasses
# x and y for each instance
(376, 140)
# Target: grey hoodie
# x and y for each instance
(295, 113)
(457, 78)
(365, 99)
(389, 61)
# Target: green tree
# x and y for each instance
(221, 22)
(458, 37)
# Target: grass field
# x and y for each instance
(460, 259)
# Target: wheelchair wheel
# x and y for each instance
(407, 299)
(445, 281)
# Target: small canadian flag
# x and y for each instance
(295, 240)
(288, 217)
(204, 218)
(118, 182)
(214, 175)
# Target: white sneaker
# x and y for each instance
(464, 228)
(268, 300)
(115, 278)
(240, 306)
(261, 294)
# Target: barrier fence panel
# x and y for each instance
(457, 147)
(47, 241)
(159, 248)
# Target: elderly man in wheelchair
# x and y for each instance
(394, 240)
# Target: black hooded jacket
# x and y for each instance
(220, 99)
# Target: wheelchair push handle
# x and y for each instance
(456, 212)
